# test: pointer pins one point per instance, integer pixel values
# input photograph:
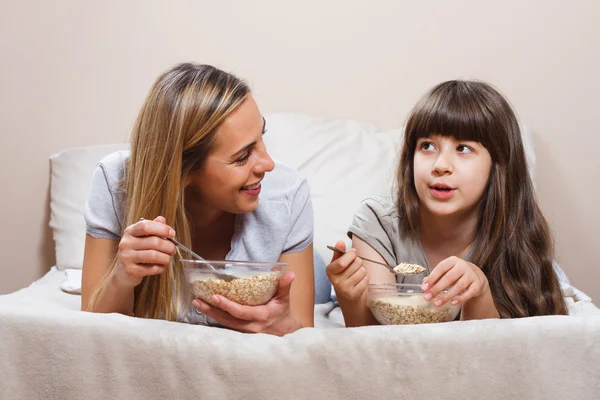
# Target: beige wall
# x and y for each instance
(75, 72)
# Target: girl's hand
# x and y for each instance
(467, 281)
(274, 318)
(347, 274)
(143, 251)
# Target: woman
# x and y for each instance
(197, 166)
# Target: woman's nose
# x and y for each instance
(266, 163)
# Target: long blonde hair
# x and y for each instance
(173, 134)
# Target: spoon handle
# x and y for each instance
(365, 259)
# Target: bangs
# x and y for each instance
(455, 109)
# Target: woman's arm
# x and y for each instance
(97, 260)
(302, 293)
(142, 251)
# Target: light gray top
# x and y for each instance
(282, 223)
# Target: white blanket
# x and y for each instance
(51, 350)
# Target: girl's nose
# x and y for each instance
(443, 164)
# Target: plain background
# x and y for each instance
(75, 73)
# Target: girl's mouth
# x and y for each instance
(442, 191)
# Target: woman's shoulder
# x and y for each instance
(113, 164)
(283, 183)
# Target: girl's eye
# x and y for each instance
(427, 146)
(242, 160)
(464, 149)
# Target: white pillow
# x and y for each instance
(344, 161)
(69, 188)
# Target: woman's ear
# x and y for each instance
(186, 180)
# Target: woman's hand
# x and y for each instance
(467, 281)
(274, 318)
(143, 251)
(347, 274)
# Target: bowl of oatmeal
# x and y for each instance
(404, 303)
(244, 282)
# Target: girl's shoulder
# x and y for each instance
(380, 208)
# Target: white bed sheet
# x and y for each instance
(51, 350)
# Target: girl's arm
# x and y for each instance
(302, 292)
(354, 305)
(480, 307)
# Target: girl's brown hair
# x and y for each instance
(513, 245)
(173, 134)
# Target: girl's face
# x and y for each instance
(230, 178)
(450, 175)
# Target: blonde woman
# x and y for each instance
(195, 170)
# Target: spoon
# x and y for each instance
(391, 268)
(227, 277)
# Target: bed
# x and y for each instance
(51, 350)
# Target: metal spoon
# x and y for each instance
(391, 268)
(220, 275)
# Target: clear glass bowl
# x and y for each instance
(404, 303)
(245, 282)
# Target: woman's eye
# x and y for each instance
(464, 149)
(243, 159)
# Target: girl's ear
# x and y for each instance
(186, 181)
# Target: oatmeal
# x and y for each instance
(406, 268)
(250, 290)
(401, 310)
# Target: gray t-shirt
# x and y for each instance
(282, 223)
(377, 223)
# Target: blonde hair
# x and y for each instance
(173, 134)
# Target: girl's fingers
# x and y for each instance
(338, 266)
(465, 296)
(357, 276)
(438, 271)
(449, 279)
(454, 291)
(338, 245)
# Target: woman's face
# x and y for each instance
(230, 179)
(450, 175)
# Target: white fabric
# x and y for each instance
(69, 188)
(72, 282)
(51, 350)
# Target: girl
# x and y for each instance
(464, 206)
(197, 165)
